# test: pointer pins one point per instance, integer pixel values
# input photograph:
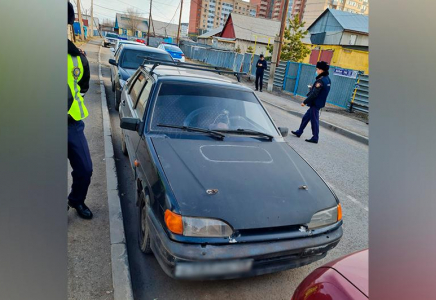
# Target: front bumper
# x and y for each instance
(196, 261)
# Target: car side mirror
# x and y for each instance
(113, 62)
(284, 131)
(130, 123)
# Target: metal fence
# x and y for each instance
(360, 98)
(291, 76)
(299, 76)
(218, 58)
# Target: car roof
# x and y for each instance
(142, 47)
(166, 73)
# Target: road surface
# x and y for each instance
(343, 163)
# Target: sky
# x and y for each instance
(162, 10)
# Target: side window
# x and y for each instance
(137, 87)
(143, 99)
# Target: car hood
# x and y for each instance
(126, 73)
(257, 182)
(354, 268)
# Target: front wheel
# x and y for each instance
(143, 228)
(123, 145)
(117, 100)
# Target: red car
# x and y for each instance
(344, 278)
(141, 41)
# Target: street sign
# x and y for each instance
(345, 73)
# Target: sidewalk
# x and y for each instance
(341, 123)
(89, 245)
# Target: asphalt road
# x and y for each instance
(342, 162)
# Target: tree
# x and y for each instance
(250, 50)
(293, 48)
(134, 20)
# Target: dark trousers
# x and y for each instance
(80, 160)
(312, 115)
(259, 77)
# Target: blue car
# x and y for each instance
(175, 52)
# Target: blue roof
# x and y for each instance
(348, 21)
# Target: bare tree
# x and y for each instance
(108, 23)
(134, 20)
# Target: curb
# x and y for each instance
(121, 280)
(345, 132)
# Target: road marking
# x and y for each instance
(354, 200)
(357, 202)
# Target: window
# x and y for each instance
(137, 87)
(143, 99)
(209, 107)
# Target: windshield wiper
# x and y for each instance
(213, 133)
(249, 132)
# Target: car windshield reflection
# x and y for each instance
(209, 107)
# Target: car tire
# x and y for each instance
(123, 145)
(143, 229)
(117, 100)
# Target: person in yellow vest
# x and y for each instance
(78, 151)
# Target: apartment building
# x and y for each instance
(271, 9)
(208, 14)
(310, 10)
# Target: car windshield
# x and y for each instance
(111, 35)
(209, 107)
(172, 48)
(132, 59)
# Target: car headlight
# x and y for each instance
(196, 227)
(326, 217)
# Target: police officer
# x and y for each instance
(78, 151)
(316, 99)
(260, 68)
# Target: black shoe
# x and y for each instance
(256, 90)
(312, 141)
(82, 210)
(260, 91)
(295, 133)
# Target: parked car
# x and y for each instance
(122, 42)
(343, 279)
(220, 194)
(173, 50)
(110, 39)
(126, 60)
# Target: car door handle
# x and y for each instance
(124, 102)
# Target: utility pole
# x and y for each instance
(149, 25)
(275, 63)
(79, 13)
(180, 22)
(92, 19)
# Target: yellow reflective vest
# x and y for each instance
(78, 109)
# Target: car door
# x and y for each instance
(143, 155)
(130, 97)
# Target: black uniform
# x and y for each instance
(316, 99)
(78, 151)
(260, 68)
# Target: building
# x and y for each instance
(208, 14)
(310, 10)
(207, 38)
(184, 29)
(341, 39)
(271, 9)
(246, 31)
(123, 26)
